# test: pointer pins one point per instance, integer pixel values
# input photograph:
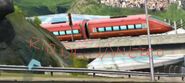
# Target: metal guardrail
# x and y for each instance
(84, 70)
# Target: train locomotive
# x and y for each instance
(133, 25)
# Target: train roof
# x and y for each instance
(130, 17)
(60, 24)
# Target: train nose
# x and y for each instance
(169, 28)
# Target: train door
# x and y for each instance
(85, 31)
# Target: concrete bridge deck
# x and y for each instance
(126, 41)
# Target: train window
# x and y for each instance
(101, 29)
(130, 26)
(62, 32)
(138, 26)
(76, 31)
(108, 28)
(56, 33)
(123, 27)
(68, 32)
(144, 26)
(95, 30)
(116, 28)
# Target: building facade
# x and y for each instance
(152, 4)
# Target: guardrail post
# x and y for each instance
(182, 78)
(51, 73)
(94, 73)
(182, 72)
(158, 77)
(129, 76)
(184, 60)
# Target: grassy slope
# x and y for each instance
(19, 52)
(94, 8)
(41, 7)
(172, 13)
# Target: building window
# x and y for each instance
(68, 32)
(76, 31)
(108, 28)
(56, 33)
(101, 29)
(116, 28)
(130, 26)
(123, 27)
(138, 26)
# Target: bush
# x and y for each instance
(37, 21)
(79, 63)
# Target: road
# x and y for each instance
(58, 79)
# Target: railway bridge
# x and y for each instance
(131, 46)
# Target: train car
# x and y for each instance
(127, 26)
(64, 32)
(133, 25)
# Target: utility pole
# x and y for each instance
(71, 26)
(149, 44)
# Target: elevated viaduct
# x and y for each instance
(130, 46)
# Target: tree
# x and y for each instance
(37, 21)
(183, 4)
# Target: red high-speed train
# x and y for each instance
(133, 25)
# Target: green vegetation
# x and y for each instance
(172, 13)
(36, 21)
(93, 7)
(43, 7)
(31, 42)
(80, 62)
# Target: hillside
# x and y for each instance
(43, 7)
(22, 42)
(94, 8)
(40, 7)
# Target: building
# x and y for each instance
(152, 4)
